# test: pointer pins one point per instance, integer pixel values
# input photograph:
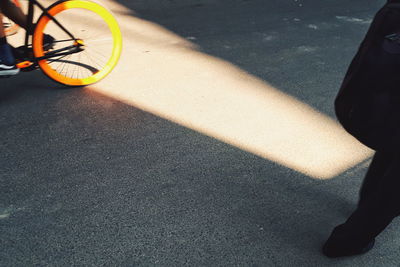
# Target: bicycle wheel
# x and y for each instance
(11, 28)
(96, 33)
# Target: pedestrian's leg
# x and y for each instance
(389, 195)
(376, 170)
(380, 204)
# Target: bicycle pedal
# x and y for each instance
(26, 66)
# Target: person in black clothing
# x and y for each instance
(372, 76)
(378, 205)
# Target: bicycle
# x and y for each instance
(80, 54)
(11, 28)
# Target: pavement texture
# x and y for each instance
(99, 177)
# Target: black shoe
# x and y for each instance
(336, 252)
(342, 245)
(48, 42)
(24, 53)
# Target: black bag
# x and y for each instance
(368, 103)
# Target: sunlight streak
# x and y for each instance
(165, 76)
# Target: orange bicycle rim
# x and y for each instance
(105, 15)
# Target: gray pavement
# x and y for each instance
(90, 180)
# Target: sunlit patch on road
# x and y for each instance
(163, 74)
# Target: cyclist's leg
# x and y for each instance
(2, 33)
(16, 14)
(7, 60)
(13, 12)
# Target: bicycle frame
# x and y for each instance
(30, 31)
(52, 43)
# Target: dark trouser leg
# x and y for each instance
(388, 197)
(372, 179)
(379, 205)
(379, 198)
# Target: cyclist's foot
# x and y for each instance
(8, 70)
(23, 53)
(7, 61)
(48, 42)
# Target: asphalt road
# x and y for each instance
(167, 162)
